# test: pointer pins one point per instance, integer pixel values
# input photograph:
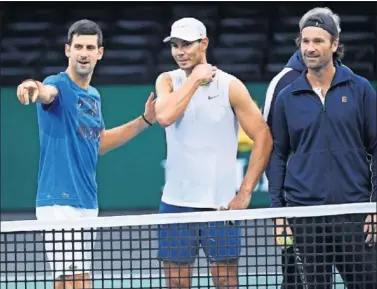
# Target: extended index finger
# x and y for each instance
(25, 94)
(34, 96)
(19, 92)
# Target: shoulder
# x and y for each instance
(280, 76)
(239, 94)
(163, 81)
(361, 85)
(283, 79)
(235, 84)
(172, 74)
(284, 94)
(366, 91)
(54, 79)
(94, 91)
(359, 80)
(286, 91)
(164, 76)
(224, 76)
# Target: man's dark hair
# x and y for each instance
(337, 55)
(85, 27)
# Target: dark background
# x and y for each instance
(249, 39)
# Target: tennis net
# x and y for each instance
(330, 248)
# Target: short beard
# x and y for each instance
(319, 69)
(81, 73)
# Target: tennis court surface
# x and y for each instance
(124, 248)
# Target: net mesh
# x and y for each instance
(320, 247)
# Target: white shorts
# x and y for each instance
(64, 258)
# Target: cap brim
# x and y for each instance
(167, 39)
(185, 38)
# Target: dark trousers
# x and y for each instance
(335, 240)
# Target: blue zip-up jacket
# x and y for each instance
(324, 153)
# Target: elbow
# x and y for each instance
(102, 151)
(266, 138)
(163, 121)
(163, 118)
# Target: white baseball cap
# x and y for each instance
(189, 29)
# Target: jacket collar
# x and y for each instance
(342, 74)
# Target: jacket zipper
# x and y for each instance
(328, 147)
(285, 192)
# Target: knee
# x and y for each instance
(180, 282)
(177, 275)
(225, 278)
(226, 282)
(79, 281)
(222, 281)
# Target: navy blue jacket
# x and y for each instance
(324, 154)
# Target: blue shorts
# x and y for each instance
(221, 241)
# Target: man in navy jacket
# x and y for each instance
(325, 152)
(292, 70)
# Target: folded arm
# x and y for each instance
(171, 105)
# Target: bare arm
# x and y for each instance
(251, 121)
(118, 136)
(171, 105)
(36, 92)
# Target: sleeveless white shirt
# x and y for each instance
(202, 146)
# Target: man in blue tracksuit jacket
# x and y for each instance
(325, 152)
(292, 70)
